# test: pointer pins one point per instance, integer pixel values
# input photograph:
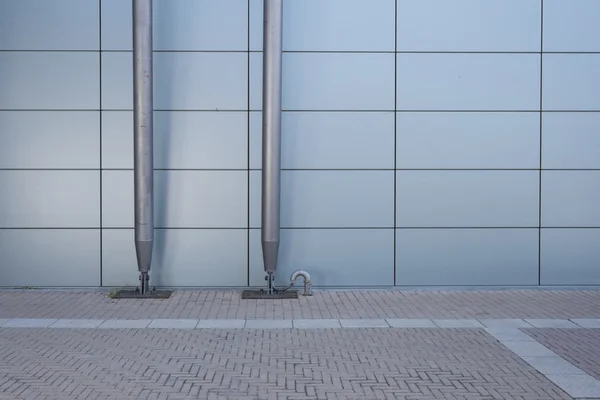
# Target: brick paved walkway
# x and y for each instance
(226, 304)
(264, 364)
(580, 347)
(382, 344)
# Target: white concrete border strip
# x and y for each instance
(587, 323)
(574, 381)
(506, 328)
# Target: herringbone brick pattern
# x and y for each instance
(350, 304)
(366, 364)
(580, 347)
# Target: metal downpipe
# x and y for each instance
(271, 136)
(143, 138)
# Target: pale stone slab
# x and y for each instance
(316, 323)
(528, 348)
(77, 323)
(411, 323)
(268, 324)
(577, 386)
(364, 323)
(553, 365)
(173, 323)
(551, 323)
(587, 323)
(509, 334)
(29, 323)
(125, 324)
(458, 323)
(505, 323)
(221, 324)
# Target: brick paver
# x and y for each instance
(348, 304)
(580, 347)
(360, 363)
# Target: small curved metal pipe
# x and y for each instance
(307, 282)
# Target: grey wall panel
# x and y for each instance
(50, 199)
(119, 265)
(468, 82)
(571, 25)
(571, 140)
(211, 81)
(467, 257)
(570, 257)
(330, 81)
(49, 25)
(49, 257)
(117, 139)
(329, 140)
(182, 140)
(117, 81)
(332, 257)
(326, 25)
(117, 199)
(182, 199)
(467, 198)
(332, 199)
(68, 80)
(116, 25)
(47, 139)
(201, 25)
(467, 140)
(180, 25)
(203, 140)
(571, 82)
(179, 78)
(469, 25)
(182, 257)
(255, 65)
(570, 198)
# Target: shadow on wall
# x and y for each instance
(162, 143)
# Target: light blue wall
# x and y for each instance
(425, 142)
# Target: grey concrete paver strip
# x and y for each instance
(316, 323)
(173, 324)
(505, 323)
(551, 323)
(580, 347)
(125, 324)
(410, 323)
(268, 324)
(587, 322)
(221, 324)
(504, 334)
(29, 323)
(371, 363)
(458, 323)
(528, 348)
(573, 380)
(578, 386)
(553, 365)
(364, 323)
(77, 323)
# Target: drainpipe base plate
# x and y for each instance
(262, 294)
(135, 294)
